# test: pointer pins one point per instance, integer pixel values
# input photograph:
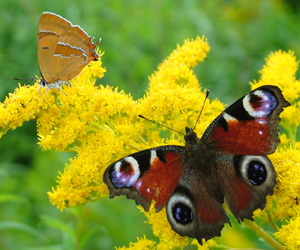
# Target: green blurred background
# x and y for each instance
(136, 37)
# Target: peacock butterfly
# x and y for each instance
(192, 181)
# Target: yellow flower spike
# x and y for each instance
(289, 234)
(141, 244)
(61, 116)
(280, 70)
(19, 107)
(287, 165)
(174, 86)
(73, 111)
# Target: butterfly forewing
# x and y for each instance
(250, 125)
(149, 175)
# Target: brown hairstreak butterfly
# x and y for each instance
(64, 50)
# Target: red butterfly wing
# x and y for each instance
(246, 180)
(194, 208)
(250, 125)
(149, 175)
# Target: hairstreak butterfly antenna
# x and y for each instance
(33, 79)
(26, 78)
(162, 125)
(41, 86)
(207, 93)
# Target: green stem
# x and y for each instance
(292, 131)
(262, 233)
(270, 219)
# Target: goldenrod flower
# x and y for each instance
(100, 125)
(289, 234)
(142, 243)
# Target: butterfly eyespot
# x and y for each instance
(180, 210)
(257, 173)
(182, 214)
(260, 103)
(125, 173)
(257, 170)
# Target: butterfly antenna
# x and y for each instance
(207, 93)
(162, 125)
(27, 78)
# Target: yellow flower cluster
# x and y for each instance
(289, 234)
(22, 106)
(142, 243)
(174, 96)
(114, 130)
(100, 124)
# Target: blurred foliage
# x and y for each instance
(136, 37)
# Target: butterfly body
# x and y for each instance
(64, 50)
(228, 163)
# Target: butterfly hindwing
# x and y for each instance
(195, 209)
(246, 180)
